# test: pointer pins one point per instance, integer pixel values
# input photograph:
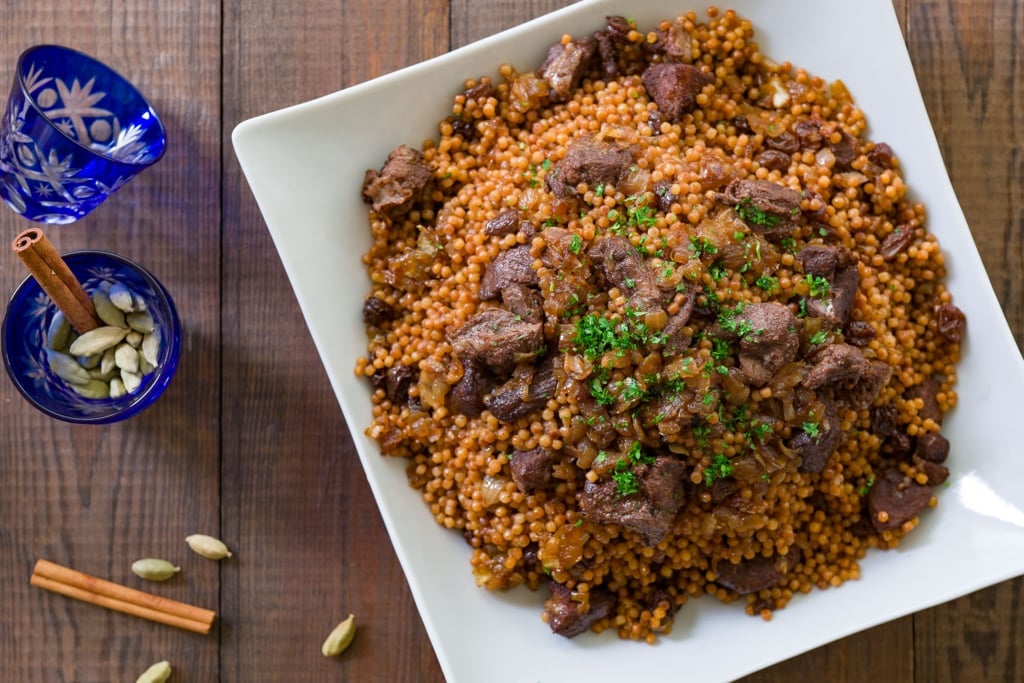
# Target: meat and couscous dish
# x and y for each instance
(656, 321)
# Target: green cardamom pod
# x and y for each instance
(158, 673)
(340, 638)
(208, 546)
(153, 569)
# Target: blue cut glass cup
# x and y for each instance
(26, 324)
(74, 132)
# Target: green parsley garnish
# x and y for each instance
(819, 337)
(599, 190)
(700, 246)
(576, 244)
(818, 286)
(748, 211)
(717, 271)
(720, 468)
(812, 429)
(767, 283)
(863, 490)
(625, 483)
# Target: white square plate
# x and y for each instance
(305, 165)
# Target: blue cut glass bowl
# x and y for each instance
(23, 336)
(74, 131)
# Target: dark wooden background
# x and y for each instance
(248, 443)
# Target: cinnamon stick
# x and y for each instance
(56, 279)
(80, 586)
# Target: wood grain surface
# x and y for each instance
(248, 443)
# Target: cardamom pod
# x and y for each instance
(132, 381)
(141, 321)
(208, 546)
(340, 638)
(58, 331)
(126, 357)
(154, 569)
(151, 348)
(121, 297)
(97, 340)
(117, 389)
(106, 310)
(65, 367)
(95, 388)
(158, 673)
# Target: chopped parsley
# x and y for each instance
(749, 212)
(788, 244)
(625, 478)
(625, 483)
(599, 190)
(717, 271)
(819, 337)
(812, 429)
(767, 283)
(595, 335)
(700, 246)
(720, 468)
(817, 286)
(576, 244)
(863, 490)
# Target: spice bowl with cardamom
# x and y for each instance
(107, 373)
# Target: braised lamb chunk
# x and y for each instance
(505, 223)
(525, 302)
(526, 392)
(564, 614)
(533, 470)
(677, 338)
(376, 311)
(400, 183)
(674, 88)
(589, 160)
(895, 499)
(814, 447)
(823, 260)
(498, 339)
(951, 321)
(623, 267)
(837, 304)
(927, 391)
(858, 381)
(467, 395)
(511, 266)
(565, 64)
(868, 385)
(763, 195)
(674, 42)
(936, 473)
(651, 511)
(753, 575)
(771, 343)
(932, 447)
(607, 55)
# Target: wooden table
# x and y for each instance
(249, 445)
